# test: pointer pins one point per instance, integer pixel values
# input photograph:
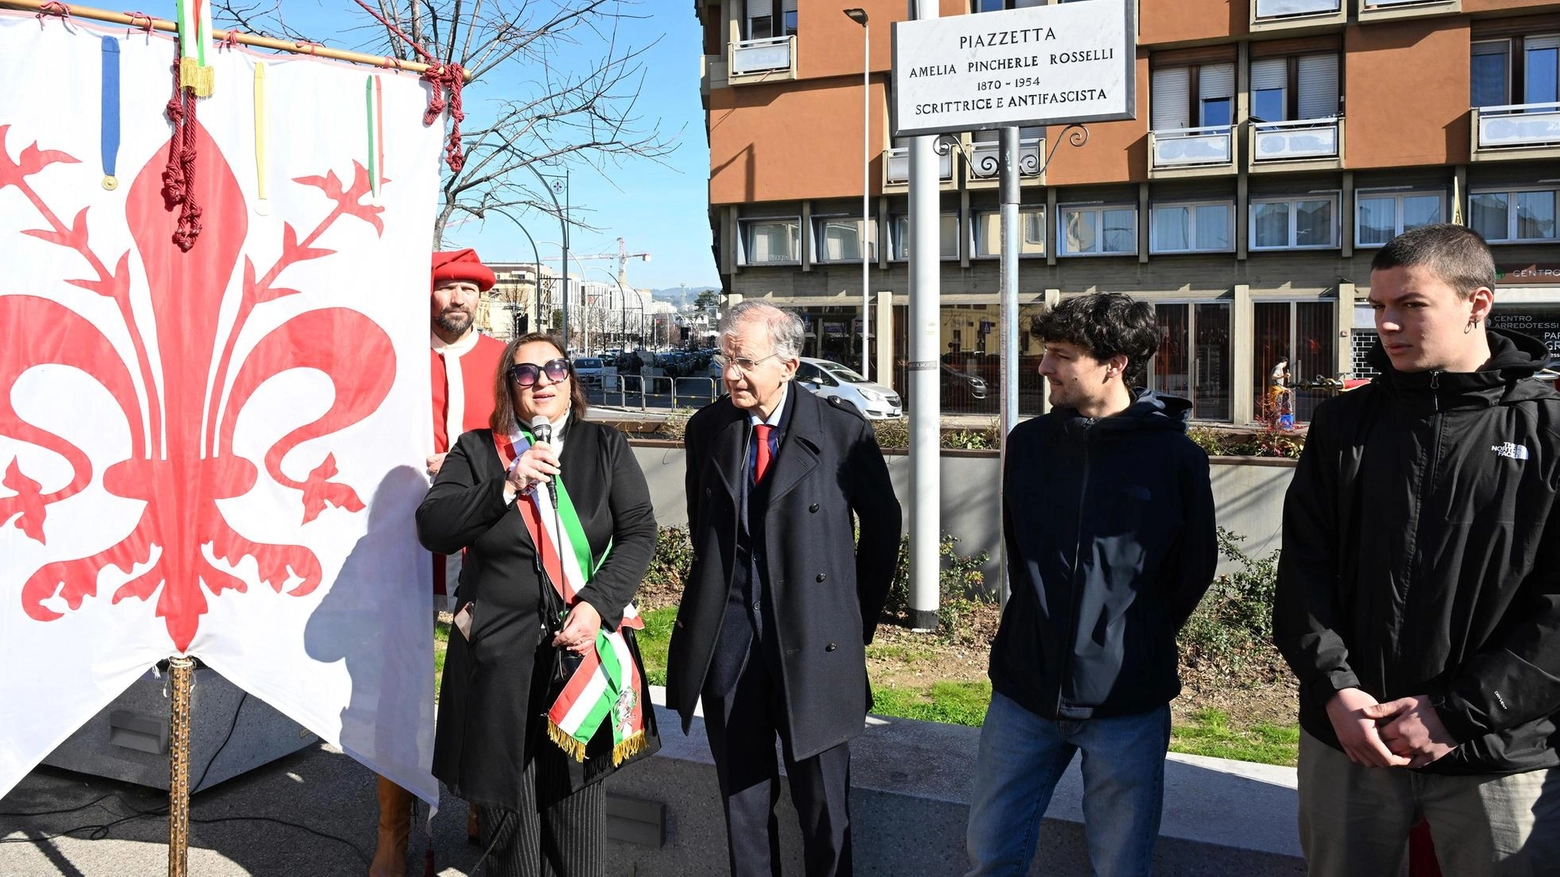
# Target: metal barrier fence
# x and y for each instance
(677, 390)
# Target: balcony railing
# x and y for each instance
(1268, 9)
(770, 55)
(897, 166)
(1301, 140)
(986, 158)
(1192, 147)
(1381, 10)
(1516, 126)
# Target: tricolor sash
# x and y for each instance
(606, 685)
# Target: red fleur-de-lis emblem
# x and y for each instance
(182, 407)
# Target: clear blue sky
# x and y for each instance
(656, 207)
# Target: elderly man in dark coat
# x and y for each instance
(783, 598)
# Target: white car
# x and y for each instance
(834, 381)
(589, 369)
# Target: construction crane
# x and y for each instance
(622, 256)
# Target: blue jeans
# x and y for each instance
(1022, 756)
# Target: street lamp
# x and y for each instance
(623, 291)
(552, 183)
(859, 16)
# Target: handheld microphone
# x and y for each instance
(542, 428)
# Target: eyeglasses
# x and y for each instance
(526, 374)
(740, 363)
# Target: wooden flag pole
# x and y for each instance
(181, 671)
(45, 7)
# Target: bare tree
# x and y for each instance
(567, 88)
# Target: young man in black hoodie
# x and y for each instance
(1111, 543)
(1419, 587)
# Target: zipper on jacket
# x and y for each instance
(1426, 485)
(1073, 586)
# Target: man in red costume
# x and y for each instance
(464, 362)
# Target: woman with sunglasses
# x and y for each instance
(543, 693)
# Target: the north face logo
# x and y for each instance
(1510, 450)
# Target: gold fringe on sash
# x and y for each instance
(631, 746)
(565, 741)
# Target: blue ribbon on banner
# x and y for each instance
(110, 111)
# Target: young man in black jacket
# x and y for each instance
(1110, 535)
(1419, 586)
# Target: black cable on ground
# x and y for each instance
(26, 815)
(101, 831)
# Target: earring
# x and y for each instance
(1473, 323)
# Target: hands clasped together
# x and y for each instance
(1405, 732)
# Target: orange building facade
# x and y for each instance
(1278, 143)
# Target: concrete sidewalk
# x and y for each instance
(310, 813)
(313, 813)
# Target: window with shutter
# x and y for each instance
(1269, 89)
(1170, 89)
(1541, 69)
(1488, 71)
(1215, 93)
(760, 19)
(1318, 75)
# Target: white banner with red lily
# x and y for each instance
(215, 452)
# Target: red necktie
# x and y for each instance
(762, 431)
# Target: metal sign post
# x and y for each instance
(1009, 316)
(1042, 65)
(925, 406)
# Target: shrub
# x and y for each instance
(1215, 443)
(896, 434)
(892, 433)
(669, 568)
(974, 439)
(1232, 629)
(675, 426)
(962, 587)
(1267, 441)
(961, 591)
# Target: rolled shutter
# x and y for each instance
(1216, 81)
(1318, 86)
(1269, 73)
(1170, 88)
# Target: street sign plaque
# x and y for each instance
(1074, 62)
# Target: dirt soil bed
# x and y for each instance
(1260, 690)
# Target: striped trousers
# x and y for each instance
(554, 833)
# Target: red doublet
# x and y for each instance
(462, 400)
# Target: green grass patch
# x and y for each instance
(1208, 732)
(955, 703)
(441, 645)
(654, 640)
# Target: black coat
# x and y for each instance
(493, 701)
(826, 589)
(1422, 555)
(1111, 542)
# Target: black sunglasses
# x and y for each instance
(526, 374)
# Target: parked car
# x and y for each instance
(832, 380)
(960, 389)
(589, 370)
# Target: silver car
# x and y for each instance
(832, 380)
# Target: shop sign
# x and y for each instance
(1528, 275)
(1040, 65)
(1540, 323)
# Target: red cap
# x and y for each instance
(462, 265)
